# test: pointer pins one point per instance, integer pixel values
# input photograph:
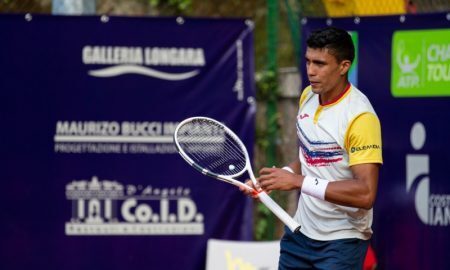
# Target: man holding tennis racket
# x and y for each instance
(339, 158)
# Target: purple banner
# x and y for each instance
(91, 176)
(403, 67)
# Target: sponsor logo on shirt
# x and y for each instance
(365, 147)
(302, 116)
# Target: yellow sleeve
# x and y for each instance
(304, 95)
(363, 140)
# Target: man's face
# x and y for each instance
(324, 71)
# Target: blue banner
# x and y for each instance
(90, 173)
(403, 67)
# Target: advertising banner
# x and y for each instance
(91, 176)
(225, 255)
(404, 68)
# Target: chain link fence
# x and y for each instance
(346, 8)
(113, 7)
(307, 8)
(26, 6)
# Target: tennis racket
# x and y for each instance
(216, 151)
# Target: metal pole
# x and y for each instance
(272, 40)
(271, 114)
(294, 26)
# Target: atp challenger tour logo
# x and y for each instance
(110, 208)
(137, 60)
(421, 63)
(432, 209)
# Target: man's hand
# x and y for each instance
(248, 192)
(279, 179)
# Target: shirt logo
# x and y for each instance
(365, 147)
(302, 116)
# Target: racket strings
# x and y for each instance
(232, 152)
(211, 147)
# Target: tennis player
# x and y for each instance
(339, 159)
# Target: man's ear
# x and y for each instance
(345, 66)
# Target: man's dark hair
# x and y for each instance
(337, 41)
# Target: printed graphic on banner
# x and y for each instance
(231, 255)
(103, 207)
(137, 60)
(112, 137)
(432, 209)
(421, 63)
(239, 84)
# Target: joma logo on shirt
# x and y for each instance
(365, 147)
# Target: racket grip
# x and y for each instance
(279, 212)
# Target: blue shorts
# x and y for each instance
(297, 251)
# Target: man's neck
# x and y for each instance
(335, 94)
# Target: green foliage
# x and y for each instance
(179, 5)
(262, 222)
(266, 95)
(266, 85)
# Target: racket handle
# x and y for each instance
(279, 212)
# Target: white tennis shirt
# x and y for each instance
(333, 137)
